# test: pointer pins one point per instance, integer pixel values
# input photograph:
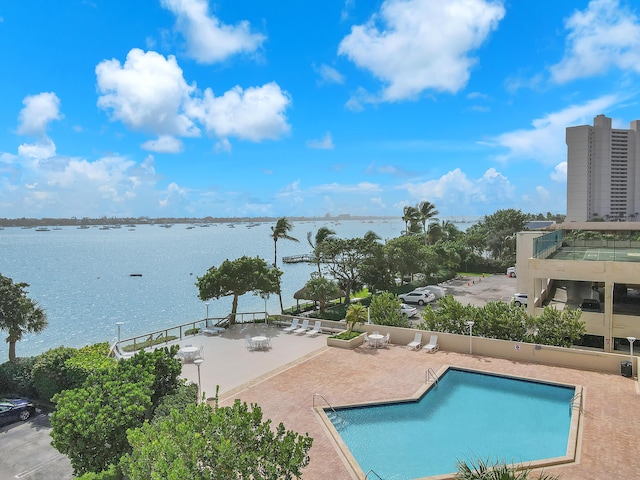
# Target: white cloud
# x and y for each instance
(559, 173)
(146, 93)
(209, 40)
(255, 114)
(44, 148)
(545, 141)
(603, 36)
(415, 45)
(38, 111)
(326, 143)
(542, 192)
(329, 74)
(164, 144)
(456, 193)
(173, 195)
(223, 145)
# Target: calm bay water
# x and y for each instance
(82, 278)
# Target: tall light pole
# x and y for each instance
(119, 324)
(631, 340)
(470, 323)
(207, 304)
(198, 362)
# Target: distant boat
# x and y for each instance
(57, 228)
(42, 229)
(135, 274)
(104, 227)
(84, 227)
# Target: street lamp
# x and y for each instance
(119, 324)
(631, 340)
(207, 304)
(470, 323)
(198, 362)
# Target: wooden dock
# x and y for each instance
(303, 258)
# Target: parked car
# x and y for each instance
(520, 299)
(590, 305)
(14, 409)
(438, 291)
(511, 272)
(417, 296)
(408, 311)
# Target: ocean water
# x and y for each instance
(82, 277)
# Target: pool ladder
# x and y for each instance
(430, 374)
(373, 472)
(577, 398)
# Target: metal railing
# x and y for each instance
(325, 401)
(572, 403)
(430, 374)
(373, 472)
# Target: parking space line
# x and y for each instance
(39, 466)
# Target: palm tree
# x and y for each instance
(356, 313)
(427, 211)
(323, 234)
(410, 216)
(280, 230)
(18, 313)
(484, 470)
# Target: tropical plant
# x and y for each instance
(323, 233)
(486, 470)
(49, 372)
(221, 442)
(237, 277)
(411, 219)
(344, 260)
(281, 231)
(19, 314)
(356, 313)
(385, 310)
(427, 213)
(321, 290)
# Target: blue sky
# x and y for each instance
(287, 108)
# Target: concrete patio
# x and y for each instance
(283, 380)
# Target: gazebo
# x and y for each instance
(303, 294)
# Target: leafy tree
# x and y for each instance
(221, 443)
(88, 360)
(556, 327)
(180, 399)
(385, 310)
(321, 290)
(406, 255)
(237, 277)
(323, 233)
(356, 313)
(375, 270)
(16, 378)
(89, 423)
(428, 212)
(19, 314)
(499, 233)
(344, 259)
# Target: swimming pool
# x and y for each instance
(468, 416)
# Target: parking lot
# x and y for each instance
(475, 291)
(26, 453)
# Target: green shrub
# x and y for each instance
(50, 375)
(179, 400)
(16, 378)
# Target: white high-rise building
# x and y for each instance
(603, 172)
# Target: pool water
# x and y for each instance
(468, 416)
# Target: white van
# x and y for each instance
(511, 272)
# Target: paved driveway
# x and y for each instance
(26, 452)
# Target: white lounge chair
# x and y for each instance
(292, 327)
(317, 329)
(432, 346)
(417, 342)
(303, 328)
(210, 329)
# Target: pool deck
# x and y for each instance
(284, 379)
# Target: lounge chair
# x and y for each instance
(292, 327)
(317, 329)
(432, 346)
(417, 342)
(248, 343)
(210, 329)
(303, 328)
